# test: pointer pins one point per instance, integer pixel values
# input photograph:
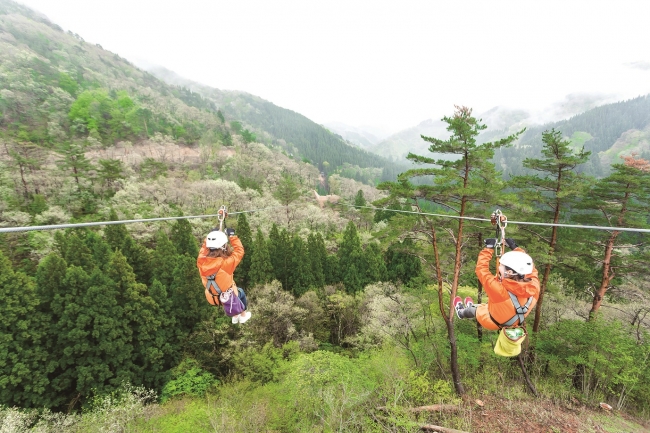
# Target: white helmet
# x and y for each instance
(518, 261)
(216, 239)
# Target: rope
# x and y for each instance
(107, 223)
(575, 226)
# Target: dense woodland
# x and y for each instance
(352, 325)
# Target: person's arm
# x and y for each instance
(491, 285)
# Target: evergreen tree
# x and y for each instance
(375, 266)
(189, 304)
(138, 258)
(77, 253)
(100, 250)
(401, 264)
(351, 260)
(246, 237)
(551, 194)
(622, 199)
(183, 239)
(317, 256)
(280, 252)
(72, 158)
(166, 336)
(332, 271)
(261, 270)
(286, 193)
(300, 276)
(23, 356)
(163, 260)
(462, 183)
(115, 234)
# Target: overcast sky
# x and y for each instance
(382, 63)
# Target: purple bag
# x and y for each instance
(231, 303)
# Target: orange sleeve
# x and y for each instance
(491, 284)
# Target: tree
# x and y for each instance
(189, 304)
(351, 258)
(72, 158)
(375, 266)
(622, 199)
(401, 264)
(551, 193)
(261, 270)
(183, 239)
(286, 193)
(317, 257)
(23, 354)
(246, 237)
(462, 185)
(279, 249)
(109, 172)
(115, 234)
(300, 277)
(163, 260)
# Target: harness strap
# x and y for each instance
(211, 285)
(520, 312)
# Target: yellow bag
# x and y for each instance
(509, 341)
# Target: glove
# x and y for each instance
(511, 243)
(230, 232)
(490, 242)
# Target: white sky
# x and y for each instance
(387, 64)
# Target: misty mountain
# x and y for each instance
(364, 136)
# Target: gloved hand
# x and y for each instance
(490, 242)
(230, 232)
(511, 243)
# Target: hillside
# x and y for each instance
(289, 130)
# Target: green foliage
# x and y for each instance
(188, 379)
(183, 239)
(242, 272)
(261, 270)
(265, 365)
(152, 169)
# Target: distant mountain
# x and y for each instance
(364, 136)
(286, 128)
(497, 119)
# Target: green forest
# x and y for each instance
(106, 328)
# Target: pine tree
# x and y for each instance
(551, 194)
(246, 237)
(622, 199)
(401, 264)
(462, 183)
(286, 193)
(300, 276)
(166, 336)
(261, 270)
(77, 253)
(23, 355)
(183, 239)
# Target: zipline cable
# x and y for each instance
(106, 223)
(102, 223)
(575, 226)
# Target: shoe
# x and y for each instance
(243, 319)
(469, 302)
(458, 306)
(235, 319)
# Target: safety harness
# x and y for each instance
(520, 312)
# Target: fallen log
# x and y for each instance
(438, 429)
(431, 408)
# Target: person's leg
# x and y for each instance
(468, 312)
(242, 296)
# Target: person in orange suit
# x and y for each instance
(217, 261)
(512, 294)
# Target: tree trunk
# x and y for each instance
(607, 276)
(547, 269)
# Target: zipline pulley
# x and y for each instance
(221, 216)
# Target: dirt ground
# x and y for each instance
(539, 416)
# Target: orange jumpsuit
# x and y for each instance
(499, 304)
(223, 267)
